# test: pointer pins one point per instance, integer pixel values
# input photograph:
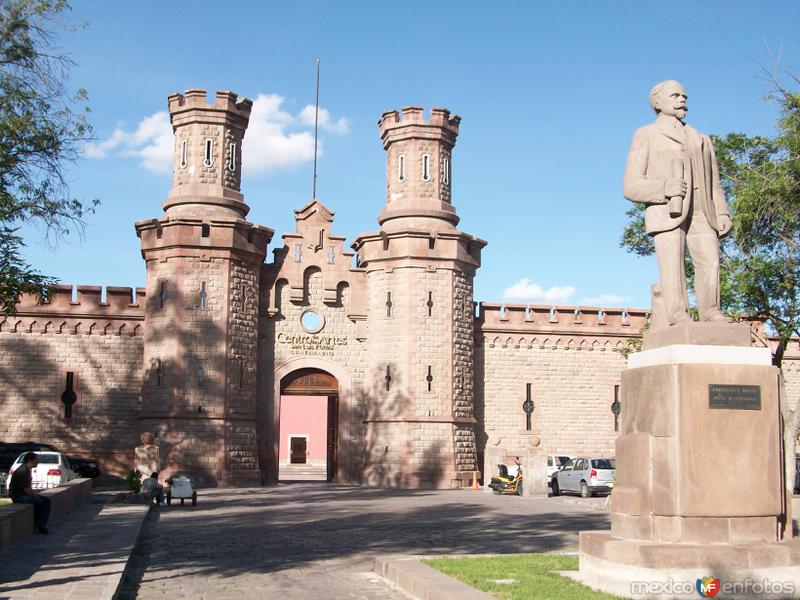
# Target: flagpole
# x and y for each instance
(316, 131)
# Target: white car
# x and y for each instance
(587, 476)
(556, 463)
(53, 470)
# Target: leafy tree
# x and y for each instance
(760, 261)
(42, 129)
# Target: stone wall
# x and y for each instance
(101, 343)
(573, 359)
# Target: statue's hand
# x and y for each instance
(675, 187)
(724, 223)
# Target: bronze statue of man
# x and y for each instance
(672, 170)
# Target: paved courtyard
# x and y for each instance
(317, 540)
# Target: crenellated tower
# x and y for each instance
(203, 266)
(420, 272)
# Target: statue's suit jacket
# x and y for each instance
(649, 165)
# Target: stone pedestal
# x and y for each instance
(699, 487)
(534, 473)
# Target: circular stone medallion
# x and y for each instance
(312, 321)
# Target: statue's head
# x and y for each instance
(669, 98)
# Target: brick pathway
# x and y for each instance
(83, 557)
(317, 541)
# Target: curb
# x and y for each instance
(423, 582)
(112, 588)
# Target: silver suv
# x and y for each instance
(586, 476)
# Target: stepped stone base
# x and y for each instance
(644, 569)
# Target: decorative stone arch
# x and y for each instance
(273, 417)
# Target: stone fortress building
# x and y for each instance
(411, 380)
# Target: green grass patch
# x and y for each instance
(519, 577)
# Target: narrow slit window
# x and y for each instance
(208, 158)
(241, 373)
(203, 295)
(159, 372)
(159, 232)
(201, 381)
(232, 156)
(388, 378)
(184, 152)
(401, 168)
(429, 378)
(68, 396)
(205, 230)
(162, 294)
(429, 304)
(426, 167)
(446, 171)
(616, 407)
(298, 252)
(388, 304)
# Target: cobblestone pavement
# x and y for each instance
(317, 541)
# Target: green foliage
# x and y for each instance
(634, 238)
(762, 178)
(519, 576)
(42, 129)
(133, 481)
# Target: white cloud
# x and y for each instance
(268, 145)
(275, 139)
(151, 142)
(526, 290)
(605, 300)
(340, 126)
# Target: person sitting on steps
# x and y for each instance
(21, 491)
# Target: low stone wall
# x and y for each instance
(16, 520)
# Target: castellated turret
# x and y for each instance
(207, 161)
(418, 168)
(203, 271)
(420, 270)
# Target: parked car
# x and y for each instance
(84, 467)
(53, 470)
(10, 451)
(556, 463)
(586, 476)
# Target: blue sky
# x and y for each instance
(549, 92)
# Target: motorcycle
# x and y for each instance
(503, 483)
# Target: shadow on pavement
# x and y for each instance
(261, 530)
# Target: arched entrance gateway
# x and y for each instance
(309, 428)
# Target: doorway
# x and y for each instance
(308, 426)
